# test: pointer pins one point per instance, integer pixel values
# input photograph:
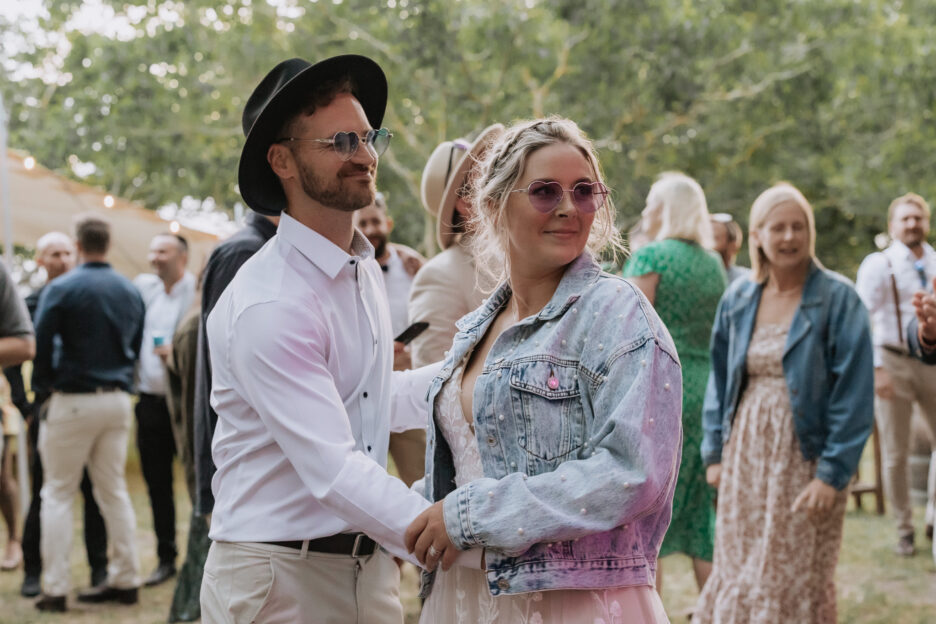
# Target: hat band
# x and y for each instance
(456, 144)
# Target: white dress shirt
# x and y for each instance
(874, 287)
(301, 357)
(399, 283)
(163, 313)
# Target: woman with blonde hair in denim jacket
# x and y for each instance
(555, 435)
(788, 408)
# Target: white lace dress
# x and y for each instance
(461, 595)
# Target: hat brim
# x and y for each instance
(259, 186)
(445, 233)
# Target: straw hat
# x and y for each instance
(444, 174)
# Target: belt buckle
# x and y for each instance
(358, 539)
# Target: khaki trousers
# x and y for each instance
(86, 430)
(408, 450)
(250, 582)
(914, 382)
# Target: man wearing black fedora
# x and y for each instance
(301, 357)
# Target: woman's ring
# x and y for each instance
(432, 551)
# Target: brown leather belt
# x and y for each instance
(352, 544)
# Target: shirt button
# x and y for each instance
(513, 464)
(584, 511)
(368, 448)
(500, 417)
(503, 584)
(499, 360)
(666, 386)
(520, 531)
(352, 262)
(491, 440)
(563, 342)
(365, 395)
(491, 494)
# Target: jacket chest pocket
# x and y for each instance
(547, 408)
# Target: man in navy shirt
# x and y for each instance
(98, 316)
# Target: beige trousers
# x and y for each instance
(408, 450)
(250, 582)
(86, 430)
(914, 382)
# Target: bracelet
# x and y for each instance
(927, 345)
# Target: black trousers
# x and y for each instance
(94, 532)
(157, 449)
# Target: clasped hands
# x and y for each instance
(427, 539)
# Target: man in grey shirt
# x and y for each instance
(17, 343)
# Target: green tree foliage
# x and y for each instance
(834, 96)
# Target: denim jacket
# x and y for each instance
(577, 416)
(827, 363)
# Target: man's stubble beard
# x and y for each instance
(336, 194)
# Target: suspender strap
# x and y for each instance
(893, 281)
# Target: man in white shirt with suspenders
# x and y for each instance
(887, 282)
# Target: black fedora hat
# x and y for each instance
(279, 95)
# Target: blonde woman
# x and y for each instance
(684, 280)
(555, 437)
(788, 408)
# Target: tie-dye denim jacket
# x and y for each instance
(577, 417)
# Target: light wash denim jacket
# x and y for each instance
(577, 415)
(827, 362)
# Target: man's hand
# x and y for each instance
(713, 475)
(402, 360)
(428, 540)
(883, 385)
(817, 499)
(163, 351)
(924, 304)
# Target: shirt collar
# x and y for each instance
(318, 250)
(902, 251)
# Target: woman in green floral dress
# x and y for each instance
(684, 281)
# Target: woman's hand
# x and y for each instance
(817, 499)
(428, 540)
(713, 475)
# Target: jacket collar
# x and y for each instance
(579, 275)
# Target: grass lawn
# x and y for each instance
(874, 586)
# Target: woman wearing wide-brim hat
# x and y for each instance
(448, 286)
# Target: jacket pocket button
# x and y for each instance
(491, 440)
(503, 584)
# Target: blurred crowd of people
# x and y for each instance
(572, 413)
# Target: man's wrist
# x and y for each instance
(927, 345)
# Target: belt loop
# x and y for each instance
(358, 538)
(304, 553)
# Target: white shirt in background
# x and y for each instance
(399, 283)
(874, 287)
(163, 313)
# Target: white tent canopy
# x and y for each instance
(42, 201)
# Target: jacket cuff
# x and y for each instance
(457, 517)
(829, 473)
(711, 456)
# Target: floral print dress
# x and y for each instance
(771, 565)
(461, 595)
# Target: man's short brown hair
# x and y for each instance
(93, 233)
(320, 96)
(909, 198)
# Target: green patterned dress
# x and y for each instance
(692, 281)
